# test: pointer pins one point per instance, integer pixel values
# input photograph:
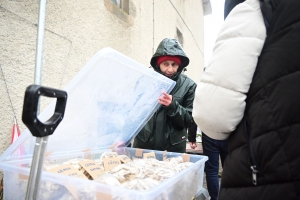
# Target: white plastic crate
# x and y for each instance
(183, 185)
(109, 101)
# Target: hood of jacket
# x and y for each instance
(170, 47)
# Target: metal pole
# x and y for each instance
(153, 27)
(33, 170)
(40, 163)
(40, 43)
(40, 144)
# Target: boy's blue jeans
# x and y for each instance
(213, 149)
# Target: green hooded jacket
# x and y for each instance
(167, 129)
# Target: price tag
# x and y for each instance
(87, 154)
(48, 153)
(110, 163)
(92, 168)
(23, 177)
(149, 155)
(105, 196)
(165, 155)
(186, 157)
(68, 170)
(139, 152)
(72, 190)
(124, 158)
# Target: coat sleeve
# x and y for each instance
(220, 96)
(192, 132)
(181, 115)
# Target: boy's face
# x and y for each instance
(169, 67)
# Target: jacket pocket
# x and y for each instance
(144, 135)
(178, 137)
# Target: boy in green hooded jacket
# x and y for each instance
(167, 129)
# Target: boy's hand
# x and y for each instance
(193, 145)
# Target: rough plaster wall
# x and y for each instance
(75, 31)
(191, 12)
(190, 21)
(194, 18)
(17, 57)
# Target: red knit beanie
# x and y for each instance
(161, 59)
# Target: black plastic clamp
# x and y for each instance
(30, 107)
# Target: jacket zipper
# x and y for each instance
(253, 164)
